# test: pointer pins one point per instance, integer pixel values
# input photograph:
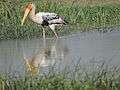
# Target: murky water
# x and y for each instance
(90, 47)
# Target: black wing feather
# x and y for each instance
(50, 17)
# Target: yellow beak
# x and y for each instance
(25, 15)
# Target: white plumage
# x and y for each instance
(43, 18)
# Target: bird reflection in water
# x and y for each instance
(48, 57)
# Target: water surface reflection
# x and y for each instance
(90, 48)
(46, 56)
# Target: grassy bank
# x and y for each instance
(78, 79)
(85, 14)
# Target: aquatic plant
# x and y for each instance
(79, 78)
(85, 15)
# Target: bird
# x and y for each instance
(44, 19)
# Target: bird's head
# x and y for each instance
(28, 8)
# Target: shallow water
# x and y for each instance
(89, 48)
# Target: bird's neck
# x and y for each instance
(32, 14)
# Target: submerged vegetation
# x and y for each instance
(83, 13)
(101, 78)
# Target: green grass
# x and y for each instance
(98, 78)
(88, 15)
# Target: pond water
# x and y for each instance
(88, 47)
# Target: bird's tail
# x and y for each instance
(65, 22)
(60, 20)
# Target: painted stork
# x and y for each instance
(43, 18)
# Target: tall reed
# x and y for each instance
(84, 16)
(100, 78)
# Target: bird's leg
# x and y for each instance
(53, 29)
(56, 35)
(44, 40)
(43, 33)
